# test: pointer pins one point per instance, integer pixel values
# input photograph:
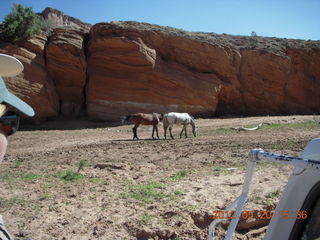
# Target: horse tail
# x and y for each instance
(125, 118)
(165, 120)
(161, 117)
(156, 117)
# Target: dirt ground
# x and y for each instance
(145, 189)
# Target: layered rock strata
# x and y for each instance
(33, 85)
(66, 66)
(128, 73)
(120, 68)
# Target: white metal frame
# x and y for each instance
(256, 155)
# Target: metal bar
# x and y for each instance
(242, 199)
(259, 155)
(213, 224)
(237, 204)
(256, 155)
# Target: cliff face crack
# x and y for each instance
(66, 66)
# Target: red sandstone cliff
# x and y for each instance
(130, 64)
(124, 67)
(127, 72)
(66, 66)
(59, 19)
(33, 85)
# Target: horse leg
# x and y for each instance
(182, 131)
(157, 131)
(185, 131)
(170, 128)
(153, 129)
(134, 129)
(165, 133)
(134, 132)
(185, 128)
(165, 127)
(193, 128)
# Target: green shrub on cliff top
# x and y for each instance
(21, 23)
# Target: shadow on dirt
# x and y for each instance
(66, 124)
(139, 140)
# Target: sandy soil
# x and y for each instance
(146, 189)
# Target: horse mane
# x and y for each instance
(158, 116)
(191, 116)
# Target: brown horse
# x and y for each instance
(144, 119)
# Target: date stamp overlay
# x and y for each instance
(259, 214)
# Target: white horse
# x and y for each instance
(184, 119)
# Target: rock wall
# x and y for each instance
(219, 78)
(66, 66)
(263, 77)
(59, 19)
(125, 67)
(127, 73)
(33, 85)
(303, 82)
